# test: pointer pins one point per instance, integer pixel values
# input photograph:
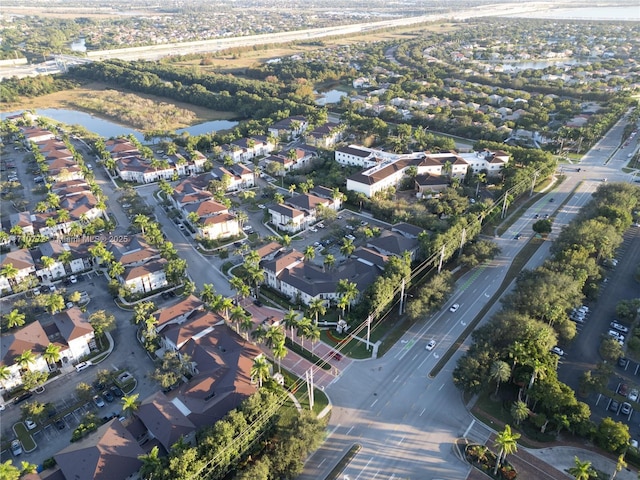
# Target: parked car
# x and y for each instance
(16, 447)
(108, 396)
(98, 400)
(73, 279)
(22, 398)
(60, 425)
(558, 351)
(625, 409)
(623, 389)
(633, 395)
(617, 335)
(623, 362)
(614, 406)
(30, 424)
(82, 365)
(619, 327)
(116, 391)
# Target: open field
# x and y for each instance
(239, 59)
(100, 100)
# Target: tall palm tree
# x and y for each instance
(347, 247)
(279, 352)
(519, 411)
(4, 372)
(316, 307)
(309, 253)
(208, 293)
(620, 464)
(303, 328)
(55, 303)
(274, 335)
(141, 221)
(507, 442)
(481, 178)
(237, 315)
(347, 290)
(47, 263)
(581, 470)
(151, 463)
(15, 318)
(130, 404)
(51, 354)
(329, 261)
(313, 334)
(290, 320)
(500, 372)
(10, 272)
(25, 359)
(246, 324)
(260, 369)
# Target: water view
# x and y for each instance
(330, 96)
(107, 128)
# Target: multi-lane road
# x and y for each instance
(407, 422)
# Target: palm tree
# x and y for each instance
(313, 334)
(25, 359)
(246, 324)
(130, 404)
(141, 221)
(273, 335)
(507, 442)
(620, 464)
(519, 411)
(55, 303)
(347, 247)
(309, 253)
(292, 188)
(260, 369)
(317, 307)
(500, 372)
(279, 352)
(15, 318)
(4, 372)
(47, 263)
(481, 178)
(303, 328)
(329, 261)
(151, 463)
(208, 293)
(285, 240)
(116, 269)
(581, 470)
(237, 315)
(51, 354)
(348, 290)
(290, 320)
(10, 272)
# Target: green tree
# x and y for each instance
(581, 470)
(519, 411)
(316, 307)
(542, 227)
(500, 372)
(15, 318)
(25, 359)
(260, 370)
(51, 354)
(55, 303)
(612, 436)
(507, 443)
(102, 322)
(151, 464)
(84, 391)
(130, 404)
(8, 471)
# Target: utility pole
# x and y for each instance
(401, 298)
(309, 378)
(504, 205)
(368, 330)
(533, 182)
(441, 258)
(463, 237)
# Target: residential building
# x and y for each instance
(108, 453)
(326, 135)
(132, 251)
(289, 128)
(356, 156)
(304, 281)
(73, 333)
(144, 278)
(31, 337)
(23, 262)
(179, 312)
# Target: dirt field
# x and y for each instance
(73, 99)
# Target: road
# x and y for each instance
(154, 52)
(407, 422)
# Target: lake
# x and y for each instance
(537, 65)
(107, 128)
(330, 96)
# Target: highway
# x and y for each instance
(155, 52)
(406, 422)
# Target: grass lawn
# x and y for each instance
(21, 431)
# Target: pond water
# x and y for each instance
(330, 96)
(107, 128)
(78, 45)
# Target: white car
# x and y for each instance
(261, 206)
(618, 327)
(30, 424)
(558, 351)
(633, 395)
(617, 335)
(73, 279)
(431, 345)
(313, 229)
(82, 365)
(454, 307)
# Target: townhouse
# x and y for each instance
(300, 211)
(326, 135)
(148, 277)
(289, 128)
(303, 281)
(22, 267)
